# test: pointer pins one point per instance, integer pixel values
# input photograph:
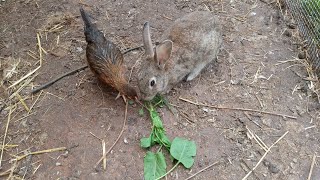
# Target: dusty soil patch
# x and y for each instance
(254, 70)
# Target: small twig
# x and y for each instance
(132, 49)
(23, 102)
(238, 109)
(248, 116)
(215, 163)
(41, 152)
(33, 71)
(34, 103)
(166, 17)
(312, 166)
(28, 81)
(186, 117)
(260, 143)
(264, 155)
(104, 162)
(5, 135)
(36, 169)
(165, 175)
(95, 136)
(33, 91)
(9, 171)
(122, 130)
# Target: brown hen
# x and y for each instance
(105, 59)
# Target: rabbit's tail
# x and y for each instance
(90, 30)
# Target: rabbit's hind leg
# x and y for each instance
(196, 71)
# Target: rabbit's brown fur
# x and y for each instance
(186, 47)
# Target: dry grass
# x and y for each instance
(17, 75)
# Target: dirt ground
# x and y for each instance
(257, 68)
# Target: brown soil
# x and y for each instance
(247, 74)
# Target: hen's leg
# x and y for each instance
(123, 97)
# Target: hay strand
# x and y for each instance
(41, 152)
(115, 142)
(36, 69)
(5, 135)
(264, 155)
(238, 109)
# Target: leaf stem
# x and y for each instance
(162, 143)
(159, 148)
(169, 171)
(158, 103)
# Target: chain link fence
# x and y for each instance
(306, 13)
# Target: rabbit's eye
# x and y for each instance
(152, 82)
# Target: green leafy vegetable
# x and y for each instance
(154, 165)
(146, 142)
(156, 121)
(183, 151)
(141, 112)
(180, 149)
(161, 137)
(131, 102)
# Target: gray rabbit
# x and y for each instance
(191, 43)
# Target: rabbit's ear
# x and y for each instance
(163, 53)
(147, 40)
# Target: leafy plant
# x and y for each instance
(141, 112)
(158, 134)
(154, 165)
(181, 150)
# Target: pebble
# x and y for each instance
(253, 13)
(234, 82)
(212, 120)
(272, 168)
(205, 110)
(65, 155)
(291, 25)
(267, 122)
(287, 33)
(201, 163)
(292, 165)
(79, 49)
(302, 55)
(125, 141)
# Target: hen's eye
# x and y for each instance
(152, 83)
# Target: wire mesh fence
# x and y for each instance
(306, 13)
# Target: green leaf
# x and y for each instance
(157, 100)
(156, 120)
(183, 151)
(161, 137)
(141, 112)
(146, 142)
(154, 165)
(131, 102)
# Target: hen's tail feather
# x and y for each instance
(90, 30)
